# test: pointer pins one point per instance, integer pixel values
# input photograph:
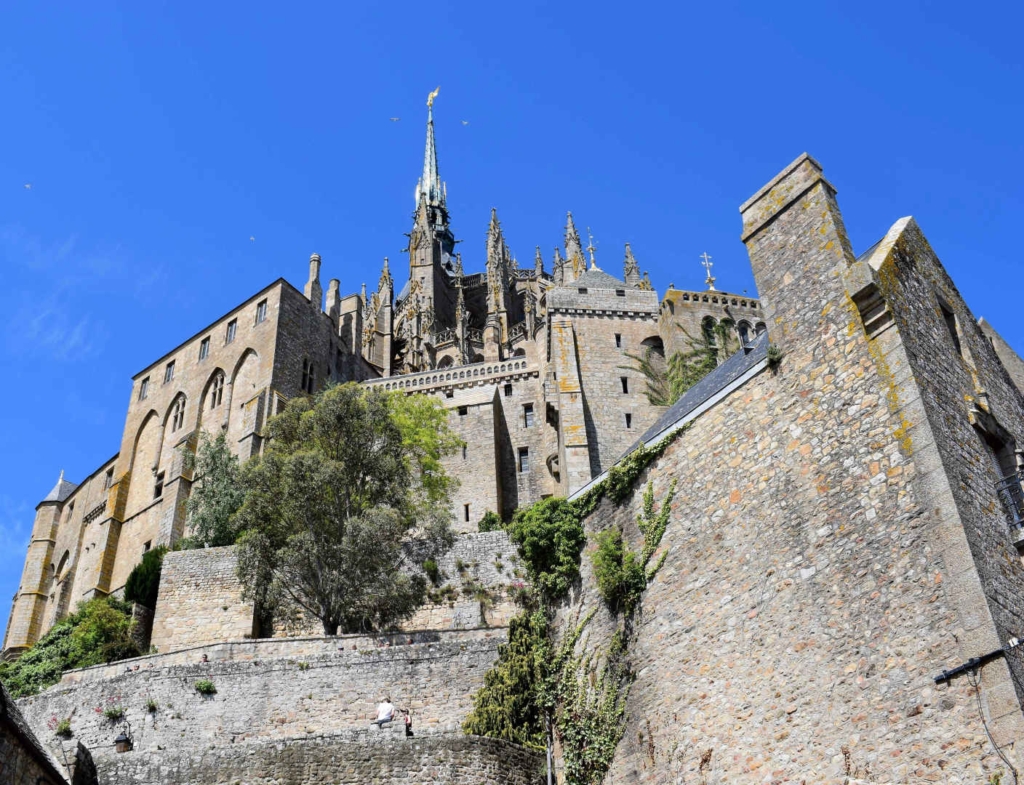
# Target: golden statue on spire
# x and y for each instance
(432, 96)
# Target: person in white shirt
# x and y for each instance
(385, 712)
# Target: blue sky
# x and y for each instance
(158, 138)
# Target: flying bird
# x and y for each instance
(252, 239)
(464, 122)
(394, 119)
(28, 186)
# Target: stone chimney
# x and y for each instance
(799, 252)
(313, 291)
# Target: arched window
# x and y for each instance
(216, 391)
(308, 376)
(744, 330)
(446, 362)
(178, 413)
(759, 328)
(520, 352)
(707, 329)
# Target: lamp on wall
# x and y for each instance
(124, 741)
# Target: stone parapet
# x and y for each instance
(337, 759)
(462, 376)
(280, 698)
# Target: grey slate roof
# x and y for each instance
(597, 279)
(716, 381)
(60, 491)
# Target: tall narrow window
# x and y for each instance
(216, 391)
(71, 511)
(144, 389)
(508, 390)
(229, 336)
(158, 487)
(261, 311)
(178, 414)
(950, 319)
(524, 460)
(147, 545)
(204, 348)
(464, 452)
(624, 381)
(465, 509)
(169, 372)
(527, 415)
(618, 340)
(308, 377)
(108, 479)
(629, 420)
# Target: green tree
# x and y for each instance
(347, 478)
(98, 631)
(550, 537)
(216, 494)
(143, 582)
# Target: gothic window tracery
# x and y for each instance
(216, 391)
(178, 413)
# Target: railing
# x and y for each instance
(1011, 492)
(445, 336)
(517, 331)
(475, 335)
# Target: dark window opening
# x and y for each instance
(169, 372)
(527, 415)
(524, 460)
(147, 545)
(178, 415)
(950, 319)
(204, 348)
(620, 292)
(144, 389)
(582, 290)
(618, 340)
(508, 390)
(158, 488)
(465, 508)
(108, 479)
(308, 377)
(217, 391)
(232, 329)
(261, 311)
(629, 420)
(464, 452)
(463, 411)
(625, 383)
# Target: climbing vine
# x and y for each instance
(540, 687)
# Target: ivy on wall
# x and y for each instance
(540, 687)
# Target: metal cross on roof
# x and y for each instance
(591, 249)
(710, 281)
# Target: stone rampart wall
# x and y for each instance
(336, 760)
(277, 698)
(200, 600)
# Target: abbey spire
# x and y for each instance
(430, 188)
(576, 263)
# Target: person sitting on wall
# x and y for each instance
(385, 712)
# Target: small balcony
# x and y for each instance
(1011, 493)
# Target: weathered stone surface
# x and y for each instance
(336, 759)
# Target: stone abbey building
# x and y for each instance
(840, 589)
(534, 366)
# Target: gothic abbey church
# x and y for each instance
(533, 365)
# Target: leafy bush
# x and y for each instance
(99, 631)
(60, 727)
(618, 571)
(114, 713)
(491, 522)
(143, 582)
(151, 705)
(550, 537)
(432, 570)
(205, 687)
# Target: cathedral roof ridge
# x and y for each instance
(596, 278)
